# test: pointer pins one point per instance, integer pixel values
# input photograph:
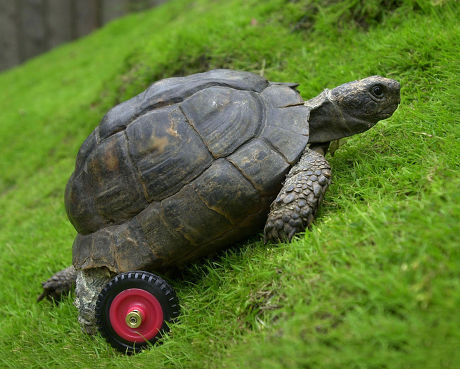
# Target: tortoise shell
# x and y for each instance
(183, 169)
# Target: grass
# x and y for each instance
(374, 284)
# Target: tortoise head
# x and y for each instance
(353, 107)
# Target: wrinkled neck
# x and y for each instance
(327, 122)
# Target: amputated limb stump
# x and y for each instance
(89, 284)
(297, 203)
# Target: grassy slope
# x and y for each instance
(374, 284)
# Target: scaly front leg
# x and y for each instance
(296, 205)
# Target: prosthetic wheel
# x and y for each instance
(133, 310)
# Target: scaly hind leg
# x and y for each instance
(89, 284)
(297, 203)
(58, 285)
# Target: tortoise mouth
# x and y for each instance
(388, 112)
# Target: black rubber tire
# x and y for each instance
(149, 282)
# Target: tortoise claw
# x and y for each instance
(285, 233)
(291, 234)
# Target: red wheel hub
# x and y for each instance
(136, 315)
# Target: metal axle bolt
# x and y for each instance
(133, 319)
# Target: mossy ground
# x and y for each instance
(374, 284)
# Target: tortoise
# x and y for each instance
(188, 167)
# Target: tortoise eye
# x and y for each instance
(377, 91)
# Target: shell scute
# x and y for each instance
(105, 190)
(189, 216)
(218, 113)
(224, 189)
(166, 151)
(261, 165)
(281, 95)
(173, 90)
